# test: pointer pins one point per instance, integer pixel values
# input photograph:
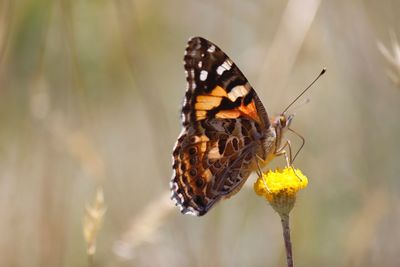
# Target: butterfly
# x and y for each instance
(226, 133)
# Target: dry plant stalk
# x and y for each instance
(144, 226)
(93, 220)
(393, 58)
(290, 35)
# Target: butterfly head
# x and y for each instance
(283, 121)
(281, 124)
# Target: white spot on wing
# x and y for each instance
(211, 49)
(220, 70)
(173, 185)
(181, 197)
(236, 92)
(173, 198)
(203, 75)
(225, 66)
(200, 64)
(192, 211)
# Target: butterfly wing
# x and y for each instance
(216, 87)
(224, 123)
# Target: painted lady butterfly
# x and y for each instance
(226, 131)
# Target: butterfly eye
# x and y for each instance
(282, 120)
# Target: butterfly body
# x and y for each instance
(226, 131)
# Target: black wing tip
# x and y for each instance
(194, 38)
(200, 40)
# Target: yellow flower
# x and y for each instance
(279, 187)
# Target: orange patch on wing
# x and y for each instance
(207, 175)
(199, 139)
(228, 114)
(218, 91)
(250, 111)
(201, 115)
(213, 153)
(207, 102)
(203, 143)
(203, 147)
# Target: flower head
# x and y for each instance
(279, 187)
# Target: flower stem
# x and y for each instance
(90, 260)
(286, 238)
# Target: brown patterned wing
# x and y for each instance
(212, 162)
(224, 123)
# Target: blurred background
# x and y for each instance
(90, 93)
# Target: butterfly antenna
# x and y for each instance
(300, 104)
(303, 141)
(305, 90)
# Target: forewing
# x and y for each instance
(216, 87)
(223, 123)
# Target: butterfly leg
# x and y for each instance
(288, 156)
(259, 172)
